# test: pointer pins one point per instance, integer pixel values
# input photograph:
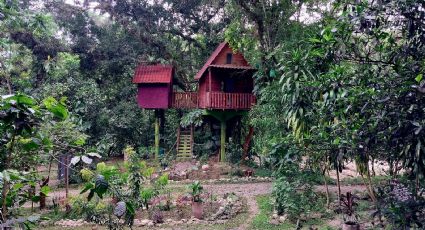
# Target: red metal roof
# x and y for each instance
(213, 57)
(231, 66)
(210, 60)
(153, 74)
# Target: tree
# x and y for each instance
(20, 117)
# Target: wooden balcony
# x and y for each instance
(219, 100)
(213, 100)
(184, 100)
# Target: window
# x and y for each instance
(229, 58)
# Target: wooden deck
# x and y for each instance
(214, 100)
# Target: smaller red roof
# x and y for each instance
(153, 74)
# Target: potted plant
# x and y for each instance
(197, 205)
(350, 217)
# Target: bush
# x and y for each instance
(145, 152)
(399, 206)
(295, 198)
(237, 171)
(234, 152)
(293, 189)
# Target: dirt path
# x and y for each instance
(251, 190)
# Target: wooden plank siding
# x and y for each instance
(215, 100)
(237, 58)
(185, 100)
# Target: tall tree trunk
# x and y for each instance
(247, 142)
(372, 193)
(338, 184)
(45, 182)
(66, 176)
(327, 187)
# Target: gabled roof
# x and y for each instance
(153, 74)
(211, 59)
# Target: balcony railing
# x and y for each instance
(219, 100)
(185, 100)
(213, 100)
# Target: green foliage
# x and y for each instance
(20, 117)
(295, 198)
(234, 152)
(398, 205)
(135, 168)
(147, 194)
(192, 118)
(196, 191)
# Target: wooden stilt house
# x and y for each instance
(225, 85)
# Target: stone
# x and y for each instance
(275, 216)
(150, 224)
(144, 222)
(274, 222)
(283, 218)
(205, 167)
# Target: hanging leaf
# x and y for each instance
(58, 109)
(272, 73)
(101, 185)
(93, 154)
(87, 187)
(45, 190)
(86, 160)
(418, 78)
(75, 160)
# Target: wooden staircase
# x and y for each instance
(185, 144)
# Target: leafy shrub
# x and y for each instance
(134, 167)
(204, 159)
(196, 191)
(295, 198)
(147, 194)
(145, 152)
(399, 206)
(237, 171)
(234, 151)
(263, 172)
(192, 118)
(293, 192)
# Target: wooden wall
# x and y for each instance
(154, 96)
(237, 58)
(202, 91)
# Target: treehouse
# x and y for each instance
(224, 82)
(225, 85)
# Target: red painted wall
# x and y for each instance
(237, 58)
(202, 91)
(242, 84)
(154, 96)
